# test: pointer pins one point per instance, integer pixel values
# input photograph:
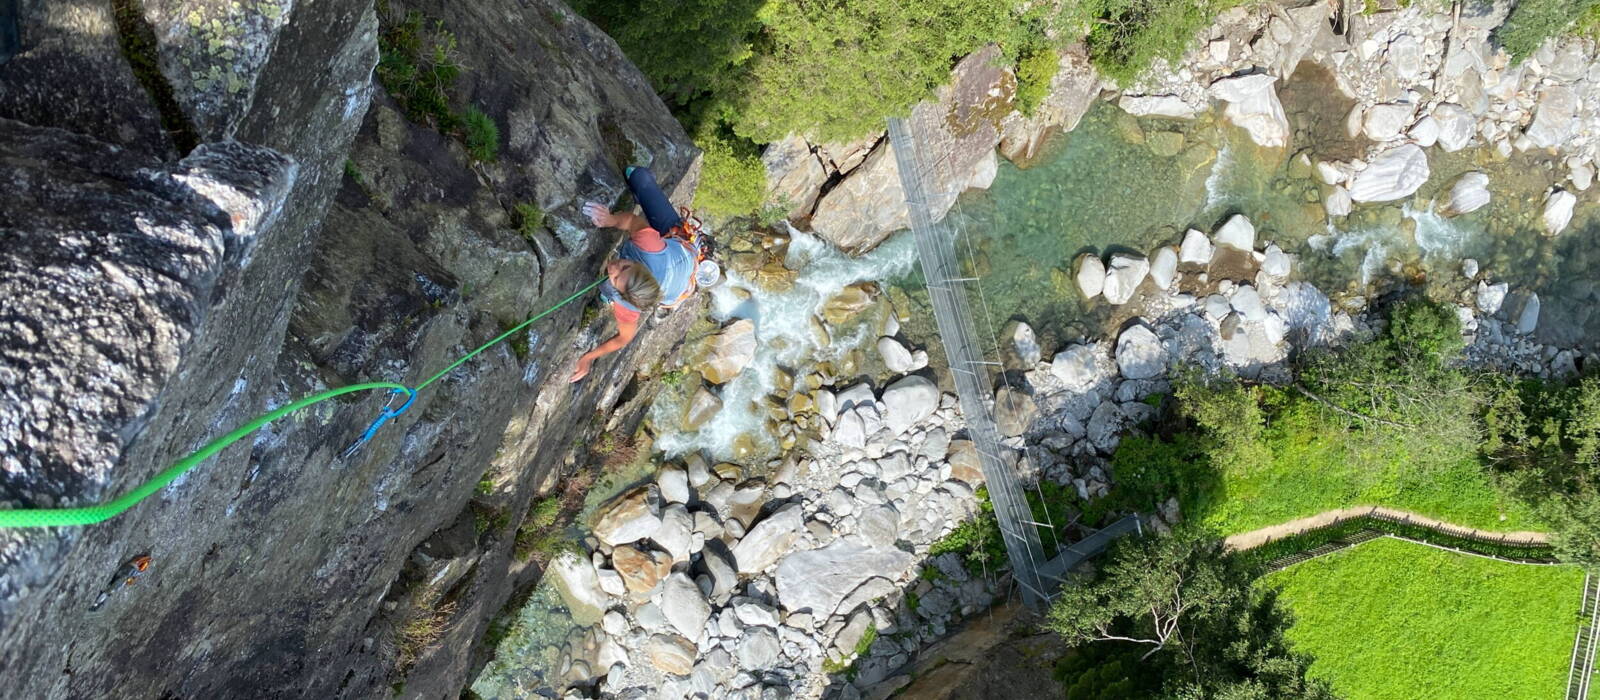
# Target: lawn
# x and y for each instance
(1393, 619)
(1315, 466)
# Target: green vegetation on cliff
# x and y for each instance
(1533, 21)
(1394, 619)
(831, 69)
(1126, 36)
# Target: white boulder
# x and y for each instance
(1554, 117)
(1469, 193)
(1196, 249)
(1157, 106)
(909, 401)
(1091, 275)
(768, 540)
(1140, 354)
(1490, 297)
(1425, 132)
(1385, 122)
(819, 579)
(1253, 106)
(1394, 174)
(1528, 320)
(684, 606)
(1275, 262)
(1338, 202)
(1456, 126)
(1076, 367)
(1124, 276)
(1558, 210)
(895, 355)
(1164, 267)
(1237, 233)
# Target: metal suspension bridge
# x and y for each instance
(940, 241)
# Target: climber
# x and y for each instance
(650, 270)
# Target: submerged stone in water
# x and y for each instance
(1558, 211)
(1091, 275)
(1469, 193)
(1166, 143)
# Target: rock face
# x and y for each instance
(1394, 174)
(1072, 91)
(818, 580)
(794, 174)
(861, 211)
(253, 271)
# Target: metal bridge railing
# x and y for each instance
(936, 241)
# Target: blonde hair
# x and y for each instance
(642, 289)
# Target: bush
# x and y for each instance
(530, 218)
(420, 633)
(482, 135)
(1533, 21)
(417, 66)
(1229, 414)
(1424, 333)
(732, 180)
(1034, 73)
(1125, 36)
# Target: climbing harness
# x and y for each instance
(88, 515)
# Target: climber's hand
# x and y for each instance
(598, 214)
(583, 368)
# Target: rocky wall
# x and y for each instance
(168, 292)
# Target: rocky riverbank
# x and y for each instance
(713, 581)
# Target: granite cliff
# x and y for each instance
(212, 208)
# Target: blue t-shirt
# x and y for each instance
(673, 266)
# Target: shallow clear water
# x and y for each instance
(1103, 189)
(783, 331)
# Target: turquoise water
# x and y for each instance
(1103, 188)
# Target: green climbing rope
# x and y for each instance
(88, 515)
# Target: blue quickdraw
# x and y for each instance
(388, 412)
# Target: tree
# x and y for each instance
(1193, 606)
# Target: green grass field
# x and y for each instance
(1393, 619)
(1315, 467)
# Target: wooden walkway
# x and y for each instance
(1256, 538)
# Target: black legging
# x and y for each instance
(657, 210)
